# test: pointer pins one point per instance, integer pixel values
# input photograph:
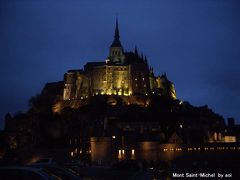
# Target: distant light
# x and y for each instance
(133, 154)
(133, 151)
(181, 126)
(71, 154)
(114, 137)
(107, 60)
(119, 154)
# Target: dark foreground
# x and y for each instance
(191, 165)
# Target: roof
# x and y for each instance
(90, 65)
(116, 42)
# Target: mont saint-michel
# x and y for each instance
(123, 73)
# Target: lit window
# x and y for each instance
(133, 152)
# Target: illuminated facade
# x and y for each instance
(122, 74)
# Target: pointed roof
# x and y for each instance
(116, 35)
(116, 42)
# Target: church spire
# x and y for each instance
(116, 42)
(116, 36)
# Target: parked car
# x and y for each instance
(61, 172)
(23, 173)
(45, 161)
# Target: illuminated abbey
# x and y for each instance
(122, 74)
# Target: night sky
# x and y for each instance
(196, 42)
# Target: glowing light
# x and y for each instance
(181, 126)
(133, 151)
(114, 137)
(71, 154)
(119, 154)
(228, 139)
(126, 93)
(123, 152)
(133, 154)
(107, 60)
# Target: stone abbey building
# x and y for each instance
(122, 73)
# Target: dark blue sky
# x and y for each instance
(196, 42)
